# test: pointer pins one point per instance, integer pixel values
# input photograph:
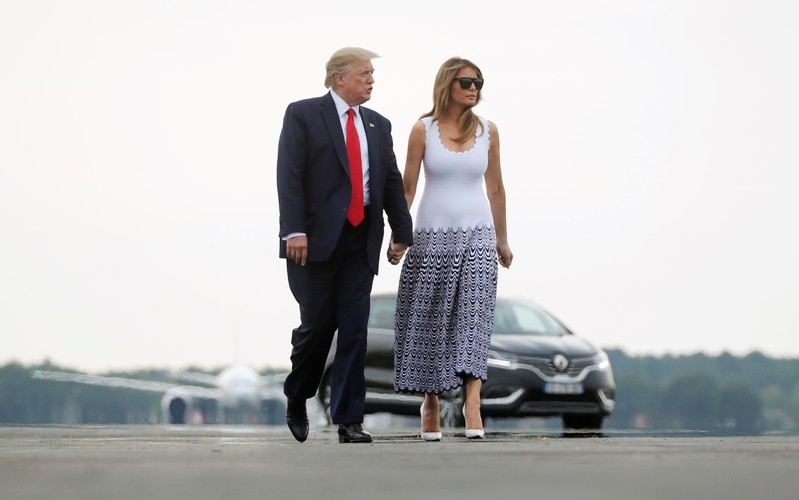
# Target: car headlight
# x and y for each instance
(500, 360)
(601, 360)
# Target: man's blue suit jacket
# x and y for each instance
(313, 179)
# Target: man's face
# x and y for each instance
(355, 86)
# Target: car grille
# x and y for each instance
(545, 366)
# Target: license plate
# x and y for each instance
(563, 388)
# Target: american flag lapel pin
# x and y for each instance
(371, 124)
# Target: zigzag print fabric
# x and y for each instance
(445, 309)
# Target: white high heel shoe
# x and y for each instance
(428, 436)
(472, 433)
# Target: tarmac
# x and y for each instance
(232, 462)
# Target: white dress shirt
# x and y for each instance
(342, 108)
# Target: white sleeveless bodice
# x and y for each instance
(453, 196)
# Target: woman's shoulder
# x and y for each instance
(486, 125)
(419, 131)
(422, 125)
(492, 127)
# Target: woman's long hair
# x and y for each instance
(441, 97)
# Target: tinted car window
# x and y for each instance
(520, 318)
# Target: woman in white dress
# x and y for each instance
(447, 289)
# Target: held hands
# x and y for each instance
(504, 254)
(395, 251)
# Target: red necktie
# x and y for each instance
(355, 211)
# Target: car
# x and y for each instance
(537, 367)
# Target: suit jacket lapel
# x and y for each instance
(372, 138)
(333, 124)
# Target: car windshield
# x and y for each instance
(516, 317)
(510, 317)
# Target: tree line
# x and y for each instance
(746, 395)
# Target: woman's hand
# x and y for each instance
(504, 255)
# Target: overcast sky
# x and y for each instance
(649, 151)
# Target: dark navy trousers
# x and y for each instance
(333, 295)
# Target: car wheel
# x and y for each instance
(452, 409)
(582, 422)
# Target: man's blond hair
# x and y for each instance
(342, 60)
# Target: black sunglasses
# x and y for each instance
(466, 82)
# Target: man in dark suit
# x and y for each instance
(336, 175)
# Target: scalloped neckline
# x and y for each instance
(445, 148)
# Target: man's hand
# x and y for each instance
(297, 249)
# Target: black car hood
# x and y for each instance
(541, 345)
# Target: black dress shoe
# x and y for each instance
(297, 420)
(353, 433)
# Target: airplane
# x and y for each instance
(237, 395)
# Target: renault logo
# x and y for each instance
(560, 363)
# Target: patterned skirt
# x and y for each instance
(445, 309)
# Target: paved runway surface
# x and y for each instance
(214, 462)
